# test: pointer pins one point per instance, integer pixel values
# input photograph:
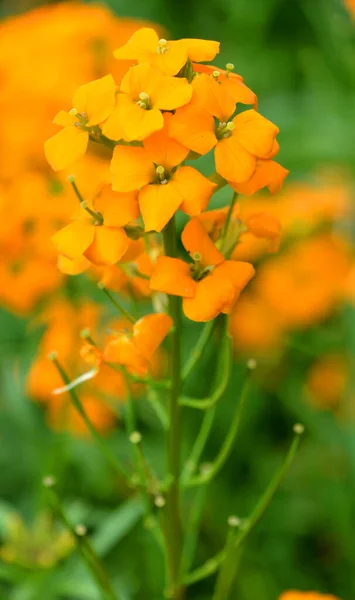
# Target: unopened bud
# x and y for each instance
(135, 437)
(80, 530)
(233, 521)
(49, 481)
(298, 428)
(159, 501)
(251, 364)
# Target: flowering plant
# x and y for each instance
(169, 109)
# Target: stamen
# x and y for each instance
(144, 100)
(215, 74)
(73, 112)
(162, 46)
(229, 68)
(196, 256)
(160, 171)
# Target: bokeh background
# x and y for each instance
(297, 318)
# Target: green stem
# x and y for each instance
(212, 565)
(158, 408)
(225, 364)
(111, 459)
(193, 527)
(83, 545)
(173, 528)
(116, 304)
(228, 443)
(228, 568)
(197, 351)
(199, 445)
(229, 216)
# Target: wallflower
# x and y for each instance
(327, 380)
(97, 230)
(169, 57)
(135, 349)
(145, 93)
(268, 173)
(164, 188)
(92, 104)
(238, 142)
(230, 82)
(210, 285)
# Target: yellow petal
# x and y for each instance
(195, 189)
(143, 40)
(233, 162)
(158, 203)
(200, 50)
(64, 119)
(66, 147)
(171, 92)
(212, 296)
(255, 133)
(74, 239)
(74, 266)
(108, 246)
(96, 99)
(131, 169)
(172, 276)
(117, 209)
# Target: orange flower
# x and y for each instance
(230, 82)
(135, 349)
(210, 285)
(268, 174)
(144, 46)
(164, 189)
(93, 103)
(99, 234)
(327, 380)
(145, 92)
(238, 143)
(262, 235)
(294, 595)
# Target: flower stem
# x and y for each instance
(173, 529)
(83, 545)
(119, 470)
(229, 216)
(115, 303)
(197, 351)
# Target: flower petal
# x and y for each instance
(194, 128)
(171, 92)
(143, 40)
(164, 150)
(233, 162)
(74, 239)
(138, 123)
(66, 147)
(96, 99)
(196, 240)
(72, 266)
(195, 189)
(255, 133)
(118, 209)
(172, 276)
(213, 97)
(123, 351)
(150, 331)
(108, 246)
(131, 168)
(200, 50)
(268, 174)
(64, 119)
(237, 272)
(213, 294)
(158, 203)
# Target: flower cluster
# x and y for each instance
(167, 111)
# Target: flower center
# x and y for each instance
(162, 46)
(83, 119)
(144, 101)
(162, 177)
(197, 271)
(224, 130)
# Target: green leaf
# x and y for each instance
(117, 525)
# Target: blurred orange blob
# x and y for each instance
(293, 595)
(327, 380)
